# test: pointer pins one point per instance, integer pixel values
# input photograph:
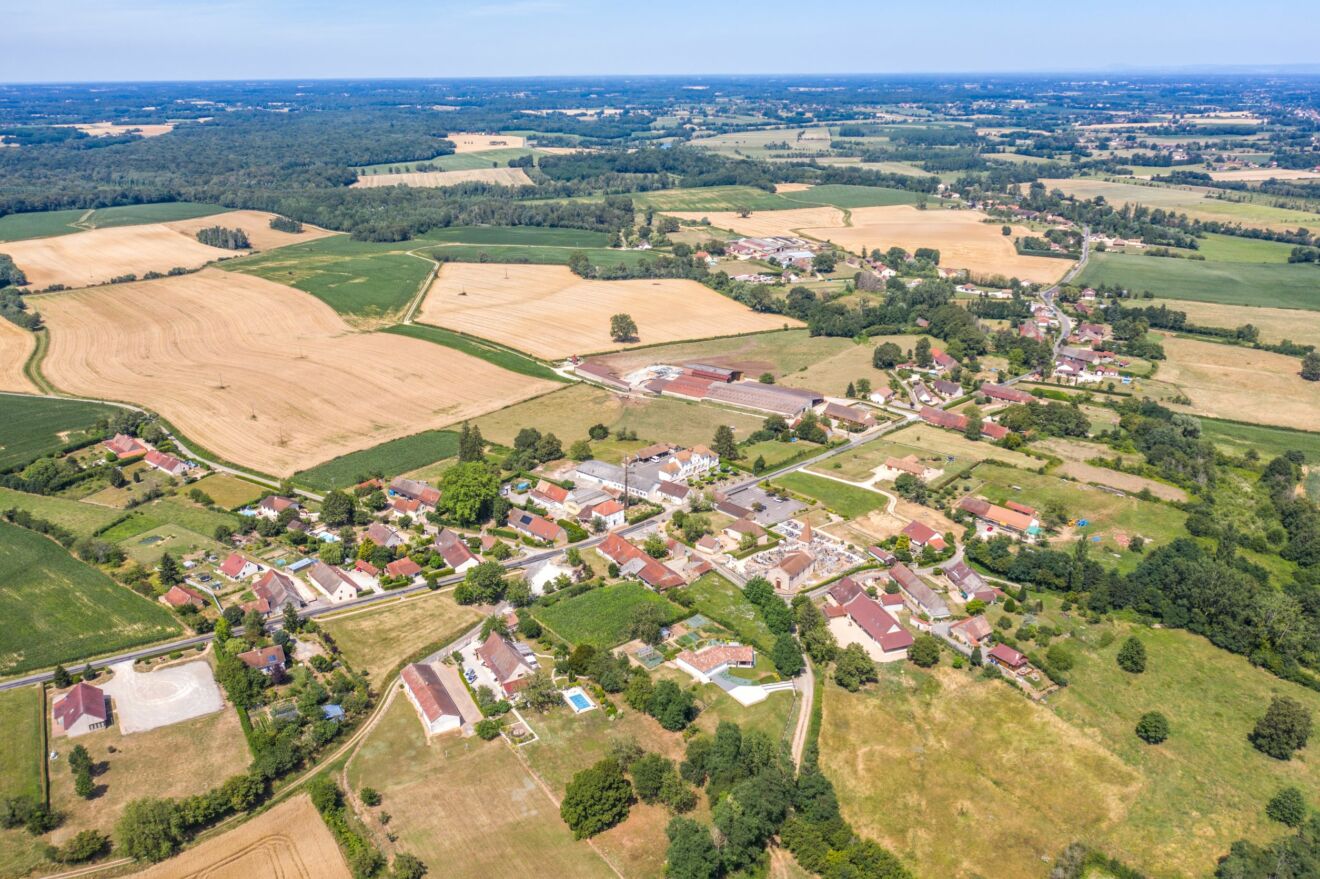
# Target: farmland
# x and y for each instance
(602, 617)
(389, 458)
(928, 443)
(1277, 285)
(81, 518)
(1268, 442)
(1227, 381)
(1275, 324)
(159, 343)
(779, 353)
(439, 179)
(505, 358)
(526, 235)
(550, 312)
(378, 639)
(98, 255)
(289, 840)
(59, 610)
(43, 224)
(509, 825)
(1193, 201)
(36, 426)
(461, 161)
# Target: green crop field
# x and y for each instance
(846, 500)
(455, 161)
(505, 358)
(359, 278)
(844, 196)
(32, 426)
(1267, 441)
(724, 603)
(229, 492)
(389, 458)
(46, 224)
(515, 253)
(602, 617)
(57, 609)
(548, 236)
(20, 730)
(81, 518)
(713, 198)
(1231, 283)
(1234, 248)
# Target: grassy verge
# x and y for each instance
(491, 352)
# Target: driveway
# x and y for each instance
(147, 700)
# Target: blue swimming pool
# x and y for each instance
(580, 702)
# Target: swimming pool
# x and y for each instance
(578, 700)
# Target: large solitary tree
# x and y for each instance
(596, 799)
(623, 328)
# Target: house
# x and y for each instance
(272, 505)
(881, 396)
(124, 446)
(454, 550)
(547, 494)
(333, 582)
(973, 631)
(1006, 657)
(610, 512)
(504, 662)
(167, 463)
(740, 528)
(1015, 518)
(1007, 393)
(267, 660)
(688, 463)
(882, 555)
(81, 710)
(640, 480)
(942, 361)
(861, 620)
(911, 465)
(236, 567)
(946, 388)
(964, 579)
(673, 492)
(274, 590)
(919, 597)
(366, 572)
(179, 596)
(920, 535)
(709, 544)
(404, 567)
(922, 393)
(416, 490)
(383, 535)
(427, 693)
(849, 415)
(633, 562)
(793, 571)
(954, 421)
(709, 662)
(404, 506)
(536, 527)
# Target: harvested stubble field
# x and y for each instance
(438, 179)
(96, 256)
(261, 374)
(109, 129)
(1275, 324)
(290, 842)
(550, 312)
(477, 143)
(16, 345)
(376, 640)
(1190, 200)
(962, 239)
(1228, 381)
(779, 353)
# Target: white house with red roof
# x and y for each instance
(81, 710)
(239, 567)
(180, 596)
(920, 535)
(974, 631)
(505, 662)
(167, 463)
(333, 583)
(454, 550)
(611, 512)
(405, 568)
(435, 706)
(706, 663)
(273, 591)
(856, 618)
(124, 446)
(272, 505)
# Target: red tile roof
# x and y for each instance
(263, 657)
(1008, 656)
(879, 625)
(429, 691)
(501, 658)
(537, 526)
(404, 567)
(83, 699)
(710, 658)
(178, 596)
(233, 565)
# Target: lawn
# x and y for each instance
(724, 603)
(56, 609)
(147, 547)
(846, 500)
(37, 426)
(1231, 283)
(602, 617)
(779, 352)
(379, 639)
(389, 459)
(80, 518)
(1269, 442)
(928, 443)
(229, 492)
(44, 224)
(362, 279)
(491, 352)
(493, 819)
(21, 759)
(777, 454)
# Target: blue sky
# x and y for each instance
(80, 40)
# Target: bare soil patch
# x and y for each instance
(438, 179)
(792, 187)
(550, 312)
(16, 345)
(1226, 381)
(290, 842)
(98, 255)
(262, 374)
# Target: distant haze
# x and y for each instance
(94, 40)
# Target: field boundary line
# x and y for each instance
(423, 288)
(32, 366)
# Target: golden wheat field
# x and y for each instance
(763, 223)
(439, 179)
(108, 129)
(16, 344)
(262, 374)
(98, 255)
(1226, 381)
(288, 842)
(477, 143)
(550, 312)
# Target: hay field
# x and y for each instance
(290, 841)
(97, 255)
(439, 179)
(1243, 384)
(476, 143)
(1254, 174)
(1275, 324)
(109, 129)
(550, 312)
(262, 374)
(768, 222)
(16, 344)
(1190, 200)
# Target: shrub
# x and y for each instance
(1285, 728)
(1132, 656)
(1153, 728)
(370, 796)
(487, 728)
(925, 651)
(1288, 806)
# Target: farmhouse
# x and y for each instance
(333, 582)
(709, 662)
(611, 513)
(81, 710)
(849, 415)
(236, 567)
(427, 693)
(1015, 518)
(536, 527)
(793, 571)
(920, 535)
(504, 662)
(973, 631)
(911, 465)
(954, 421)
(415, 490)
(124, 446)
(1007, 393)
(919, 597)
(454, 551)
(856, 618)
(179, 596)
(964, 579)
(166, 463)
(267, 660)
(383, 535)
(633, 562)
(272, 505)
(1007, 658)
(946, 388)
(547, 494)
(274, 590)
